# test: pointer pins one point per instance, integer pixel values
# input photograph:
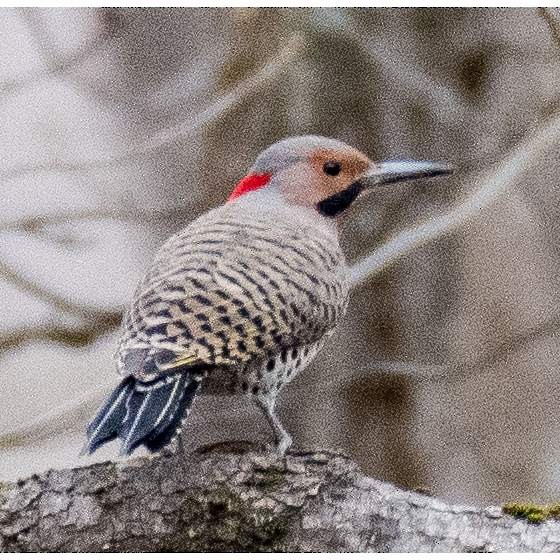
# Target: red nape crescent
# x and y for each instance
(249, 183)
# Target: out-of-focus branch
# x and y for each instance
(56, 420)
(395, 64)
(33, 19)
(93, 321)
(76, 336)
(67, 414)
(553, 25)
(32, 224)
(420, 372)
(486, 191)
(59, 67)
(271, 71)
(20, 281)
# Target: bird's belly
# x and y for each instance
(261, 377)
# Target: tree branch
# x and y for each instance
(461, 370)
(222, 502)
(20, 281)
(59, 67)
(552, 24)
(33, 224)
(272, 70)
(486, 191)
(75, 336)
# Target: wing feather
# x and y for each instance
(226, 290)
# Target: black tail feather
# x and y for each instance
(162, 437)
(144, 413)
(106, 424)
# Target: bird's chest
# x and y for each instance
(262, 377)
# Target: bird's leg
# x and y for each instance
(180, 445)
(282, 438)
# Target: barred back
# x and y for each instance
(234, 285)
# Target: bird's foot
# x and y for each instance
(283, 444)
(279, 448)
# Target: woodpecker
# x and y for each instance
(244, 297)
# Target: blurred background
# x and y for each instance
(119, 126)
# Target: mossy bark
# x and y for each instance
(214, 501)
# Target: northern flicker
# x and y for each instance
(243, 298)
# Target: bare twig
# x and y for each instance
(396, 65)
(553, 25)
(76, 336)
(34, 23)
(60, 67)
(33, 20)
(486, 191)
(420, 372)
(32, 224)
(20, 281)
(56, 419)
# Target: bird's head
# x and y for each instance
(324, 174)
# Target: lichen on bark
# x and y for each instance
(212, 501)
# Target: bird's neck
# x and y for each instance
(270, 203)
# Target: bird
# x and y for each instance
(243, 298)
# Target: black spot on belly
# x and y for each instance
(270, 365)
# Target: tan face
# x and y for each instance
(322, 174)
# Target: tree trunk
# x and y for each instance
(226, 501)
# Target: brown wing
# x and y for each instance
(227, 290)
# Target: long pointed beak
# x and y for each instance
(387, 172)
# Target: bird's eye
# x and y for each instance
(332, 168)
